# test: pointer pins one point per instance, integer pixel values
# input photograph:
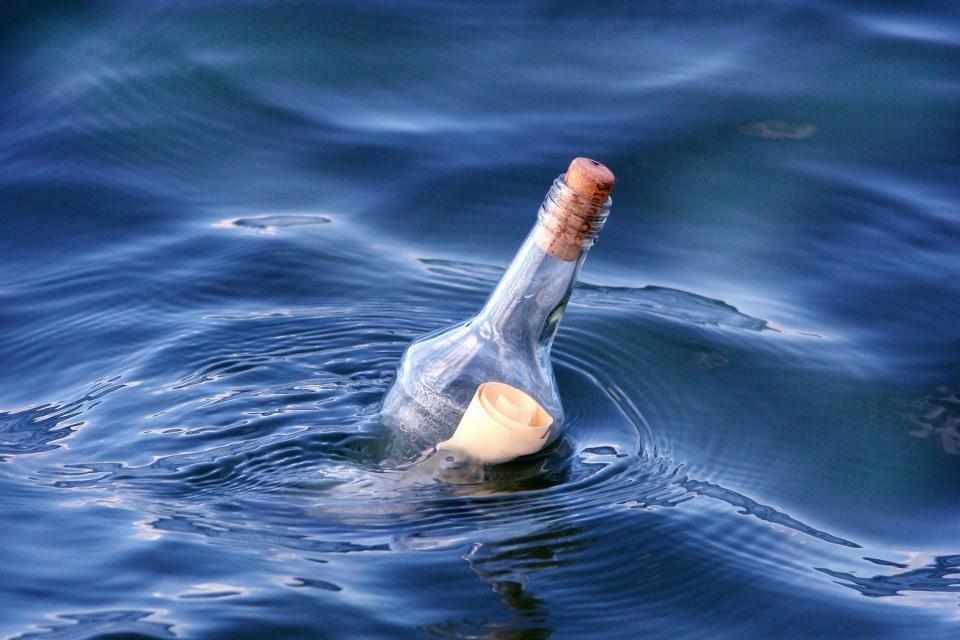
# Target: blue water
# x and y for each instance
(222, 222)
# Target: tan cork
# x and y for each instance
(562, 233)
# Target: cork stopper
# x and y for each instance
(590, 179)
(571, 210)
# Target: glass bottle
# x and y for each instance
(509, 340)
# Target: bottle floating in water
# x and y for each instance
(485, 388)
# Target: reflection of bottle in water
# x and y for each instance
(509, 340)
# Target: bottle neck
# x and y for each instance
(529, 301)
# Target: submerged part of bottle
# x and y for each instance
(509, 340)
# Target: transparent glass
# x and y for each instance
(508, 341)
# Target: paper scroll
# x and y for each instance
(501, 423)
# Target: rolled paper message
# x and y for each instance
(501, 423)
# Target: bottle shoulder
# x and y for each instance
(455, 360)
(473, 342)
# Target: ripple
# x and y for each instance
(114, 623)
(937, 417)
(212, 591)
(269, 417)
(38, 428)
(751, 507)
(909, 27)
(270, 223)
(662, 301)
(314, 583)
(941, 576)
(277, 405)
(669, 303)
(779, 130)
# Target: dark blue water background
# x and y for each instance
(220, 223)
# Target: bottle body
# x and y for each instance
(508, 341)
(440, 374)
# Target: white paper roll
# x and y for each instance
(501, 423)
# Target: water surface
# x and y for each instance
(221, 225)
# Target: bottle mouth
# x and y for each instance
(568, 222)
